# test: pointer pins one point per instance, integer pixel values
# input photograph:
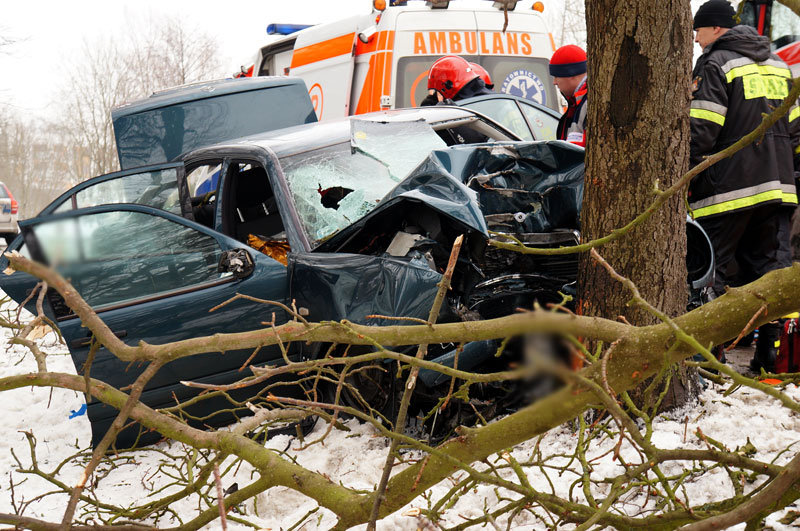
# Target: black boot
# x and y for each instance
(769, 336)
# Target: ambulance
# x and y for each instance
(780, 24)
(380, 59)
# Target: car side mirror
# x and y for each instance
(236, 261)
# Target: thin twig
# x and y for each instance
(220, 498)
(411, 382)
(746, 328)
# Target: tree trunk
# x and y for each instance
(638, 139)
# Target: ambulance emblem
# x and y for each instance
(525, 84)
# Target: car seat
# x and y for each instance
(256, 210)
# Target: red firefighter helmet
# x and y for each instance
(449, 74)
(483, 74)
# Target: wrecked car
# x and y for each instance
(143, 244)
(348, 219)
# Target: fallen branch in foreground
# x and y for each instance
(639, 353)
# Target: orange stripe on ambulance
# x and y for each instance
(380, 59)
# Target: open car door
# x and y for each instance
(161, 186)
(154, 276)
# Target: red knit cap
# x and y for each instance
(568, 61)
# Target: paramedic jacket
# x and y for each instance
(735, 81)
(572, 125)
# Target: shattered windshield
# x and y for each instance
(334, 186)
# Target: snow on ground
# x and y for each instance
(354, 458)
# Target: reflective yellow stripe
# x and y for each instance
(711, 116)
(742, 202)
(795, 113)
(793, 315)
(797, 149)
(764, 70)
(770, 87)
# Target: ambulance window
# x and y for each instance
(527, 77)
(412, 79)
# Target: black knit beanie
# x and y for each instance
(715, 13)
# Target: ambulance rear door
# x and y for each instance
(516, 59)
(421, 37)
(323, 56)
(275, 58)
(374, 61)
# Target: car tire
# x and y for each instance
(375, 390)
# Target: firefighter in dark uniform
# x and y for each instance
(568, 68)
(744, 202)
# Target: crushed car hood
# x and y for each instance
(515, 187)
(521, 187)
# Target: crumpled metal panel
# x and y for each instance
(521, 187)
(351, 286)
(514, 187)
(432, 184)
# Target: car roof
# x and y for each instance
(301, 138)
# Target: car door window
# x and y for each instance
(544, 125)
(155, 187)
(203, 179)
(506, 113)
(120, 256)
(203, 182)
(252, 211)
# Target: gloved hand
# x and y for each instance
(430, 99)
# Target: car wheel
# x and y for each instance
(370, 389)
(304, 426)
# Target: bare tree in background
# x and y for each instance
(171, 54)
(35, 162)
(160, 54)
(6, 39)
(568, 24)
(31, 154)
(95, 84)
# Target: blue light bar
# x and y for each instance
(285, 29)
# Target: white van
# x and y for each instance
(380, 60)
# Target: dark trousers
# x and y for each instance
(749, 243)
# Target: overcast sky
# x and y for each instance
(48, 32)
